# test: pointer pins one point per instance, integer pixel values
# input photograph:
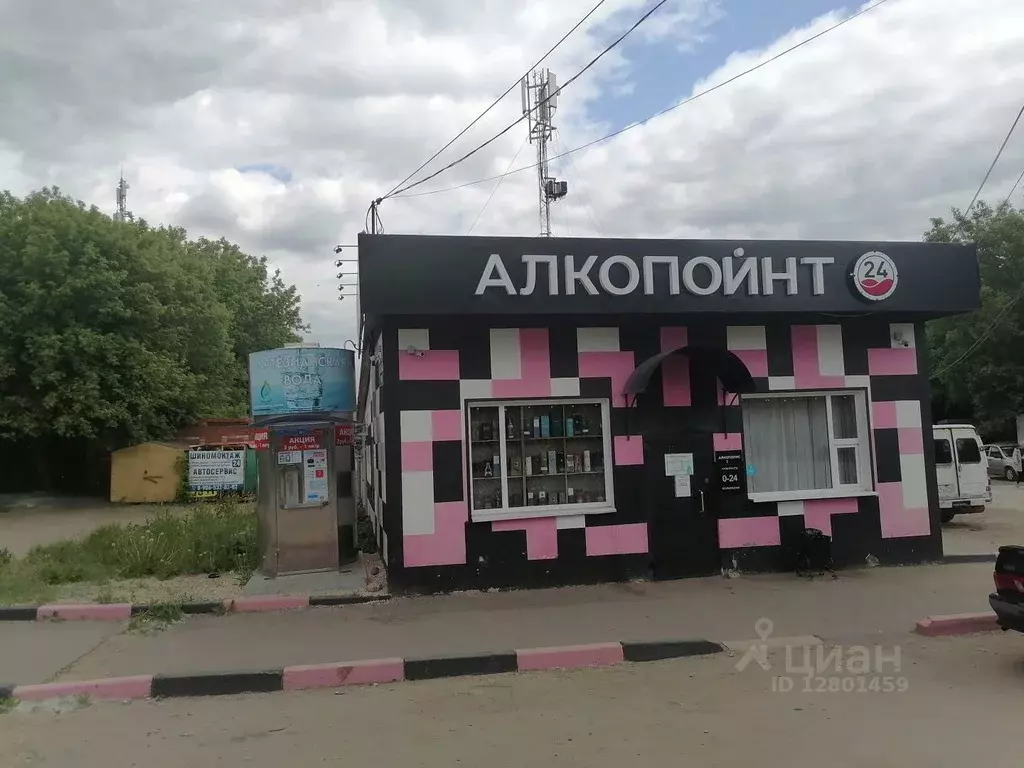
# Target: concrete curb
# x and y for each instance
(956, 624)
(123, 611)
(369, 672)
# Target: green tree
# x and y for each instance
(113, 333)
(977, 360)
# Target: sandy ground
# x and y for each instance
(687, 712)
(1001, 523)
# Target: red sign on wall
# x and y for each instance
(302, 442)
(343, 434)
(260, 439)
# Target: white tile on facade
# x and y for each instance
(859, 382)
(745, 337)
(790, 508)
(902, 335)
(597, 339)
(781, 383)
(417, 503)
(830, 350)
(384, 547)
(475, 389)
(417, 338)
(908, 413)
(417, 427)
(506, 362)
(570, 521)
(915, 483)
(565, 387)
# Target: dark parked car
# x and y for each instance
(1008, 599)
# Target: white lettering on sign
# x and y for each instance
(604, 276)
(672, 262)
(581, 276)
(489, 280)
(531, 260)
(622, 276)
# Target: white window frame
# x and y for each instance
(555, 510)
(865, 469)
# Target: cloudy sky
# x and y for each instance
(275, 122)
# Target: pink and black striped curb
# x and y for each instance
(370, 672)
(122, 611)
(957, 624)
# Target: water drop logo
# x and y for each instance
(265, 392)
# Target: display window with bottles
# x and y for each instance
(534, 458)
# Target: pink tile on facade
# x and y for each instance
(806, 364)
(446, 545)
(446, 425)
(305, 677)
(748, 532)
(911, 441)
(629, 450)
(627, 539)
(569, 656)
(535, 353)
(517, 388)
(675, 370)
(541, 535)
(85, 612)
(896, 521)
(535, 367)
(673, 337)
(429, 365)
(614, 365)
(730, 442)
(889, 361)
(818, 512)
(756, 361)
(883, 415)
(135, 687)
(417, 457)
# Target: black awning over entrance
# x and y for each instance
(727, 367)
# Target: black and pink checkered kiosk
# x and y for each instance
(546, 411)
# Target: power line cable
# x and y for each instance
(665, 111)
(578, 177)
(513, 124)
(959, 228)
(495, 103)
(500, 179)
(995, 160)
(1014, 187)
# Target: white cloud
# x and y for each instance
(864, 133)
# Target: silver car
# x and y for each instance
(1000, 461)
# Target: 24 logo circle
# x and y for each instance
(875, 276)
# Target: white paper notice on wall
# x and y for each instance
(316, 475)
(678, 464)
(683, 486)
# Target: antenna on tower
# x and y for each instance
(122, 213)
(540, 101)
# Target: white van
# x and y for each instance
(960, 470)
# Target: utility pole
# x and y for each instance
(540, 101)
(122, 213)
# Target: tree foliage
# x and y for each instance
(978, 359)
(112, 333)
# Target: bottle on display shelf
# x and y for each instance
(510, 429)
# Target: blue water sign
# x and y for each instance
(301, 380)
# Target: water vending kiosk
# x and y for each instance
(306, 508)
